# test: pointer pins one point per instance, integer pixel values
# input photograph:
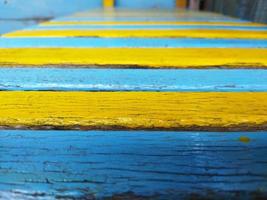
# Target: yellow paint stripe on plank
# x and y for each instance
(129, 57)
(195, 33)
(111, 23)
(135, 110)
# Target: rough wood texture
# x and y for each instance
(70, 79)
(135, 57)
(164, 165)
(134, 110)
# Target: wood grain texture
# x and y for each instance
(111, 33)
(161, 165)
(135, 57)
(134, 110)
(129, 43)
(80, 79)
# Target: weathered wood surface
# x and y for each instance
(154, 33)
(146, 27)
(134, 164)
(155, 39)
(70, 79)
(135, 57)
(172, 24)
(129, 43)
(134, 110)
(37, 164)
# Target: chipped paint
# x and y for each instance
(129, 43)
(244, 139)
(132, 57)
(73, 79)
(132, 165)
(134, 110)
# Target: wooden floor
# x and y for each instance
(125, 88)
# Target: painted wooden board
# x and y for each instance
(132, 165)
(135, 57)
(145, 27)
(70, 79)
(154, 12)
(155, 18)
(155, 33)
(218, 111)
(162, 24)
(130, 42)
(69, 22)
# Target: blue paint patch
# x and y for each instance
(147, 27)
(15, 9)
(143, 4)
(65, 79)
(97, 164)
(11, 25)
(130, 42)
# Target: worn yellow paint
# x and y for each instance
(108, 3)
(135, 110)
(196, 33)
(128, 57)
(183, 23)
(244, 139)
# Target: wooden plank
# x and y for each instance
(147, 23)
(110, 33)
(135, 57)
(155, 12)
(149, 19)
(130, 42)
(151, 27)
(156, 165)
(68, 79)
(134, 110)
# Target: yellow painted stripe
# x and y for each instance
(108, 3)
(111, 23)
(142, 33)
(128, 57)
(135, 110)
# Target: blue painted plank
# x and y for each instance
(132, 79)
(131, 42)
(169, 165)
(147, 27)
